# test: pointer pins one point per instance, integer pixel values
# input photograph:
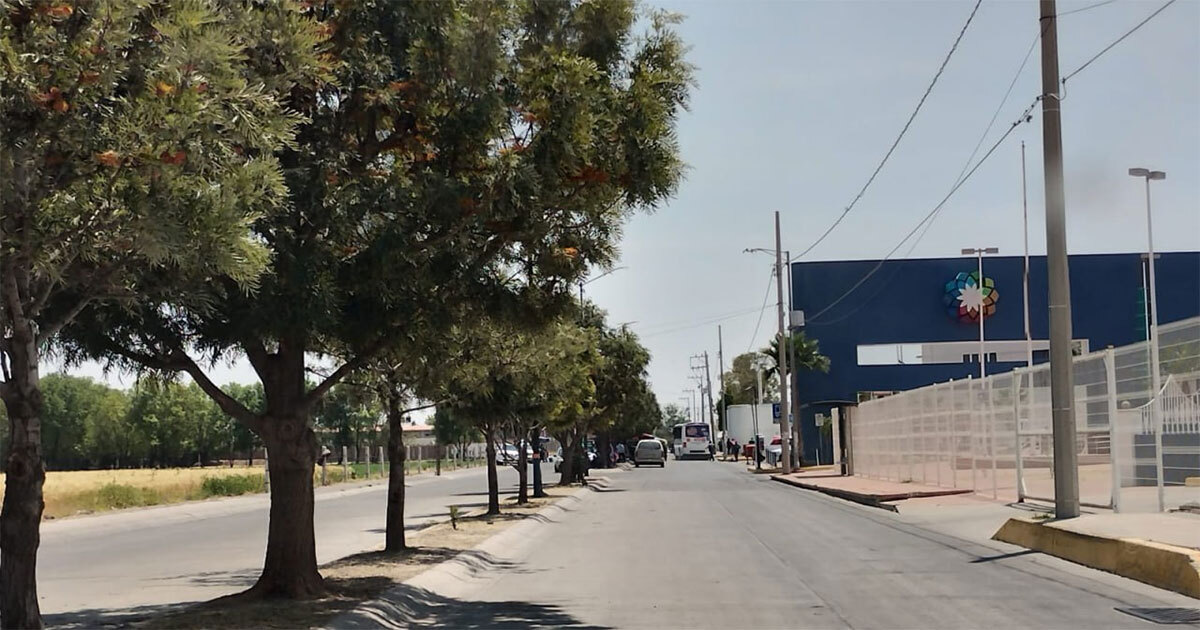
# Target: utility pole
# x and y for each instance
(1062, 390)
(794, 381)
(785, 451)
(721, 380)
(712, 423)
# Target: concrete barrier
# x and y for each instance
(1165, 566)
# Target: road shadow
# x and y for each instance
(409, 606)
(243, 578)
(89, 618)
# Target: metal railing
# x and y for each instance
(1137, 451)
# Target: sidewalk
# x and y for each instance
(1158, 549)
(873, 492)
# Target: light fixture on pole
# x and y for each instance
(979, 301)
(591, 280)
(1155, 368)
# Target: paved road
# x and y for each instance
(106, 567)
(706, 545)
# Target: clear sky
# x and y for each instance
(797, 102)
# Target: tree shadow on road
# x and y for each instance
(415, 607)
(106, 617)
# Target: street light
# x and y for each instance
(1155, 374)
(584, 283)
(980, 313)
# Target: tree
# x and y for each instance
(452, 429)
(463, 152)
(350, 416)
(804, 351)
(741, 381)
(138, 144)
(803, 354)
(672, 415)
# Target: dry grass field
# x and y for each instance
(70, 493)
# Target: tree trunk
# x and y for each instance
(24, 476)
(290, 568)
(567, 468)
(522, 473)
(493, 482)
(395, 494)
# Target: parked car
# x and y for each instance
(510, 454)
(558, 459)
(649, 452)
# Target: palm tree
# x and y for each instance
(803, 351)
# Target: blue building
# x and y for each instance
(902, 328)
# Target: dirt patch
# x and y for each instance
(360, 577)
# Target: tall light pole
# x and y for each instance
(1155, 372)
(1155, 368)
(1062, 386)
(981, 311)
(1025, 280)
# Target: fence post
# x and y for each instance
(345, 464)
(941, 437)
(971, 428)
(953, 435)
(1110, 377)
(912, 437)
(1156, 409)
(1018, 374)
(991, 420)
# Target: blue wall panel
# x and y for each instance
(902, 303)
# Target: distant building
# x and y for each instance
(904, 326)
(418, 435)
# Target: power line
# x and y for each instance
(702, 323)
(675, 324)
(896, 143)
(762, 310)
(1087, 8)
(1118, 40)
(1025, 117)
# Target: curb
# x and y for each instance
(874, 500)
(395, 606)
(1157, 564)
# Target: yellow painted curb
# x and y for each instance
(1165, 566)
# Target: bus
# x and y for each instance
(691, 439)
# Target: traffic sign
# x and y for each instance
(775, 410)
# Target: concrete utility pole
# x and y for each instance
(794, 381)
(721, 379)
(1062, 389)
(712, 422)
(785, 451)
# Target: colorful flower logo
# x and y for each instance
(966, 297)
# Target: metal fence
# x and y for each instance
(1137, 452)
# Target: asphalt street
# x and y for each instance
(707, 545)
(102, 568)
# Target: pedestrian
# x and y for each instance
(620, 451)
(736, 447)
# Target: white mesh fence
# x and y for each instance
(1137, 452)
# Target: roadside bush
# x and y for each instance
(231, 485)
(116, 496)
